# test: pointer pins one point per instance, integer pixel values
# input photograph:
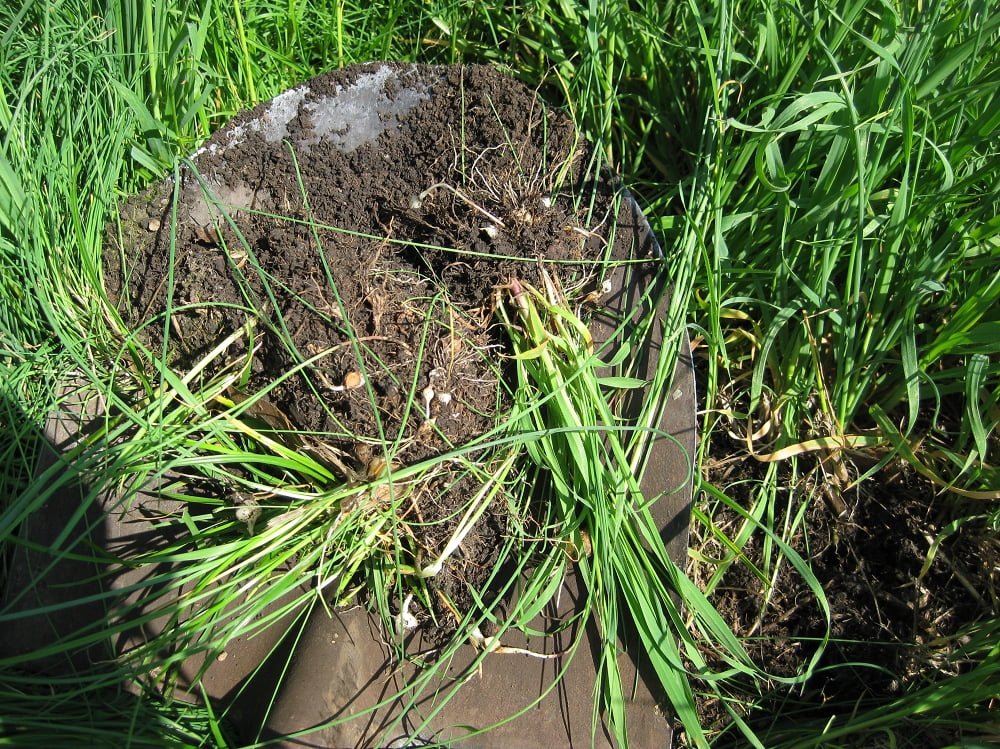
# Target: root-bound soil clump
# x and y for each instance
(360, 227)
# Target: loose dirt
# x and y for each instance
(897, 603)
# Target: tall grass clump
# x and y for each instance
(861, 162)
(824, 178)
(848, 281)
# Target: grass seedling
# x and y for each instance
(417, 202)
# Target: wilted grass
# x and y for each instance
(824, 180)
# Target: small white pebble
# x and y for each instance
(444, 398)
(491, 231)
(545, 201)
(416, 203)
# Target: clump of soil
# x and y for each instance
(363, 222)
(893, 613)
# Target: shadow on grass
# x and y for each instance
(51, 609)
(59, 681)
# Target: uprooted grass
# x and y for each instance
(825, 178)
(599, 508)
(314, 532)
(322, 533)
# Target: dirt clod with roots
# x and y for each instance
(367, 269)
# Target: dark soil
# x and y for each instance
(891, 622)
(369, 264)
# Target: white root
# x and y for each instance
(458, 194)
(492, 645)
(248, 512)
(428, 395)
(405, 621)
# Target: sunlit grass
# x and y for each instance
(824, 180)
